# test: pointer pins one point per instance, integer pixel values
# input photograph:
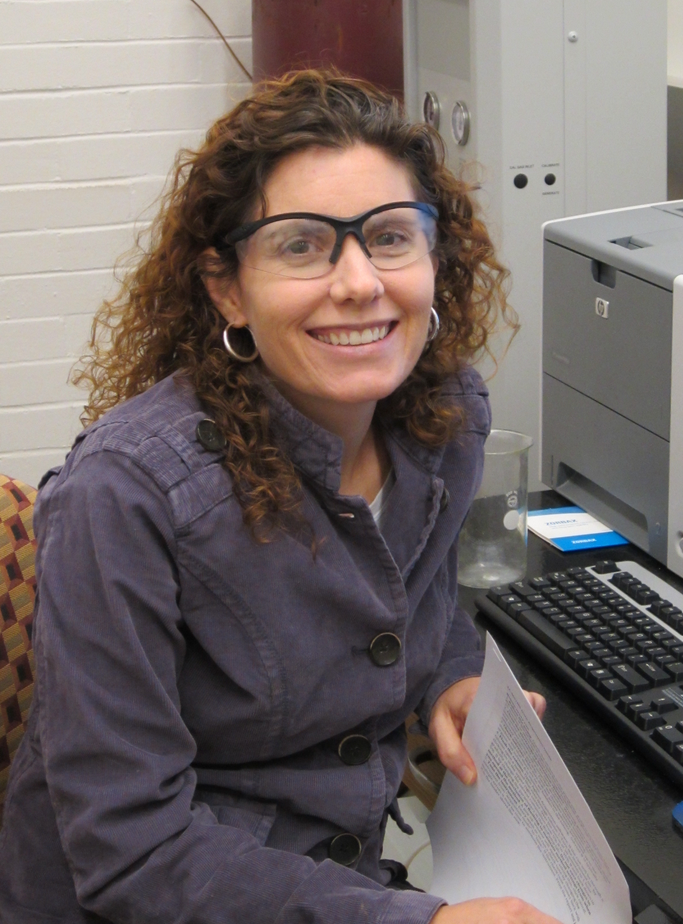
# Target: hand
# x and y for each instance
(448, 720)
(492, 911)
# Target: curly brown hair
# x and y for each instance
(163, 321)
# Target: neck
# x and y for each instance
(365, 462)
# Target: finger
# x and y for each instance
(537, 701)
(452, 752)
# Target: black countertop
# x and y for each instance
(631, 800)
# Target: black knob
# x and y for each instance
(354, 750)
(550, 179)
(521, 180)
(210, 436)
(385, 649)
(345, 849)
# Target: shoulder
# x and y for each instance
(467, 390)
(151, 439)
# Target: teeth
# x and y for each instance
(354, 337)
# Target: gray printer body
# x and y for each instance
(612, 418)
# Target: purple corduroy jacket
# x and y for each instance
(182, 762)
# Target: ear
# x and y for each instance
(224, 292)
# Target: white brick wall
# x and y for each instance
(96, 97)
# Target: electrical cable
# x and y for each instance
(223, 38)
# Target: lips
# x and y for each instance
(344, 336)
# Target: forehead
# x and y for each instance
(340, 183)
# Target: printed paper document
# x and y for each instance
(523, 829)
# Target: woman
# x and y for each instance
(247, 571)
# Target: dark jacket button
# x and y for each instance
(345, 849)
(445, 500)
(354, 750)
(385, 649)
(210, 436)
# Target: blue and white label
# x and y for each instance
(571, 529)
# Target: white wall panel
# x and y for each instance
(96, 98)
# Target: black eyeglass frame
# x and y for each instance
(342, 226)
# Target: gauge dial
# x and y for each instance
(460, 123)
(431, 109)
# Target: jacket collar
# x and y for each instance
(318, 453)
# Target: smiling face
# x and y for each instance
(351, 337)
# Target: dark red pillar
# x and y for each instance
(363, 38)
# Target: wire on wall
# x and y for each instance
(223, 38)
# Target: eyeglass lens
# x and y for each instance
(302, 247)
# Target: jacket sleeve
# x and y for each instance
(110, 645)
(462, 656)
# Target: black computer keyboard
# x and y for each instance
(612, 633)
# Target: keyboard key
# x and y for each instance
(611, 688)
(654, 673)
(662, 704)
(634, 659)
(668, 737)
(634, 711)
(558, 598)
(633, 588)
(610, 660)
(606, 566)
(664, 659)
(556, 576)
(583, 638)
(661, 636)
(646, 596)
(495, 593)
(551, 637)
(635, 682)
(600, 674)
(585, 598)
(621, 579)
(583, 668)
(677, 753)
(675, 670)
(649, 720)
(539, 582)
(577, 573)
(591, 583)
(573, 656)
(658, 605)
(522, 589)
(628, 700)
(504, 600)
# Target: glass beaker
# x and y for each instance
(493, 540)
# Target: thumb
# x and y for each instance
(452, 752)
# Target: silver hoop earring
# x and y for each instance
(434, 325)
(240, 357)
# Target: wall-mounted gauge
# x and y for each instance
(460, 123)
(431, 109)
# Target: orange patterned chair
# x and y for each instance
(17, 595)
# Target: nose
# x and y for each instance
(354, 277)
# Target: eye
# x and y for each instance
(393, 238)
(389, 238)
(300, 247)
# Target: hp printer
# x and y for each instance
(612, 417)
